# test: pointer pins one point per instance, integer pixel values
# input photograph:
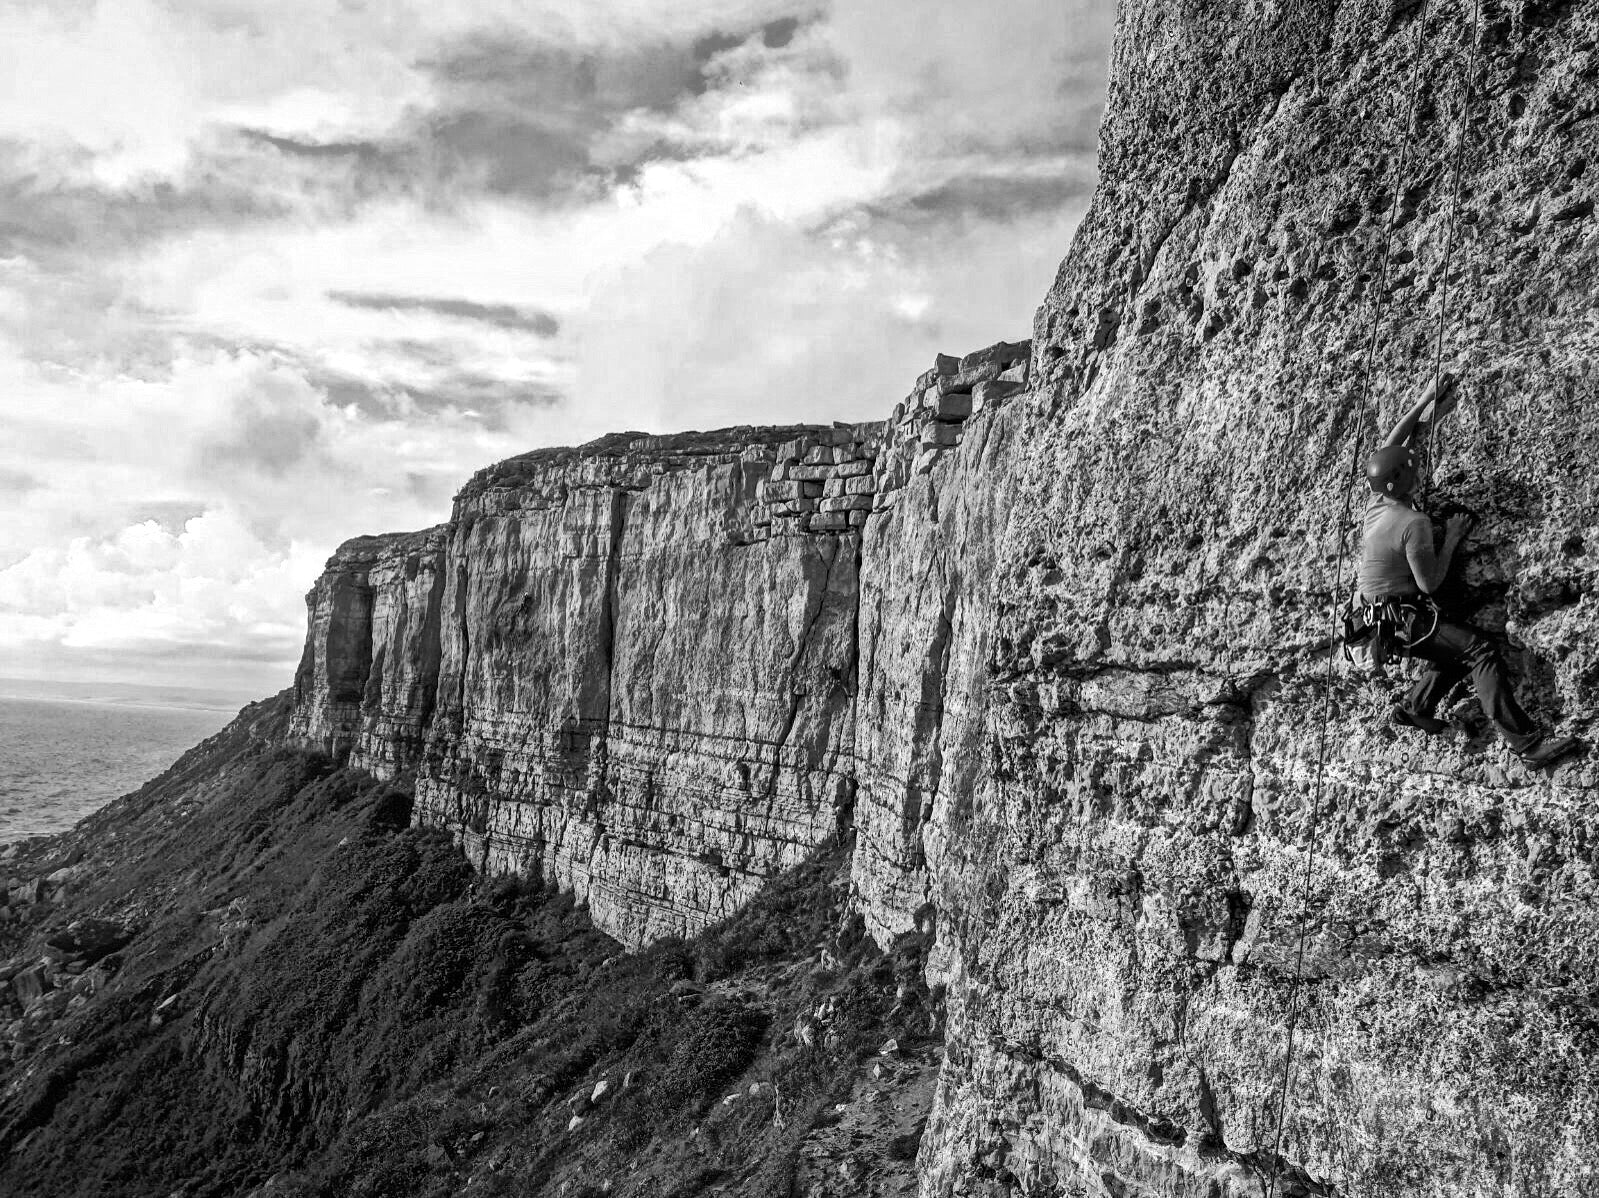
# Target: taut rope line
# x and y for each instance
(1434, 450)
(1379, 302)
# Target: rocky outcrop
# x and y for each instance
(1056, 641)
(925, 614)
(368, 678)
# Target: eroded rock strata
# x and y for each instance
(1058, 654)
(633, 668)
(368, 678)
(610, 715)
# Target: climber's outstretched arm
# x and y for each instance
(1439, 395)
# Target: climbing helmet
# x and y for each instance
(1391, 470)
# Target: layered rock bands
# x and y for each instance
(636, 668)
(1208, 923)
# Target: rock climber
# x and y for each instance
(1400, 569)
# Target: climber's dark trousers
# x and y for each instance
(1452, 652)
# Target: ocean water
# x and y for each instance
(62, 758)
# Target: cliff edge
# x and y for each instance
(1057, 654)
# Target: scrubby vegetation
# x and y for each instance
(319, 1001)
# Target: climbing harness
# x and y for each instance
(1387, 630)
(1379, 302)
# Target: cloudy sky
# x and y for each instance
(274, 273)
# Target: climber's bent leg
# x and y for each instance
(1452, 651)
(1444, 668)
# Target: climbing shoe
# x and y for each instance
(1414, 719)
(1551, 750)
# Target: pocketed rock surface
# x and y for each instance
(1054, 640)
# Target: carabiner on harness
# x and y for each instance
(1385, 630)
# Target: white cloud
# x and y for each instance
(768, 324)
(976, 74)
(194, 415)
(106, 79)
(136, 83)
(276, 471)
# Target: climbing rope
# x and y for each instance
(1434, 441)
(1379, 303)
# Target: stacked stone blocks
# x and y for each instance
(929, 421)
(820, 484)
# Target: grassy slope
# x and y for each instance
(322, 1001)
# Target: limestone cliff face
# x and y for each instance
(1060, 657)
(646, 692)
(635, 668)
(925, 616)
(1121, 915)
(368, 679)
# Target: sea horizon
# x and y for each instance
(69, 748)
(126, 694)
